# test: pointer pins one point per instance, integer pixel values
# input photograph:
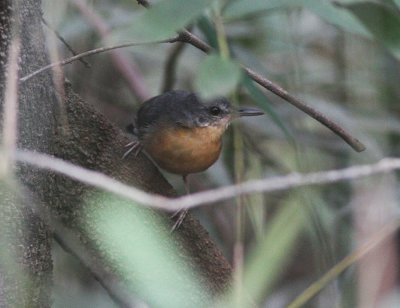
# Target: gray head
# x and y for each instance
(186, 109)
(218, 111)
(215, 112)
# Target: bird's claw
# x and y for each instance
(179, 220)
(135, 145)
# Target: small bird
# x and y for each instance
(182, 133)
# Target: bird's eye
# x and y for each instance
(215, 110)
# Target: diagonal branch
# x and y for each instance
(333, 126)
(68, 46)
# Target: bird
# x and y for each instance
(182, 133)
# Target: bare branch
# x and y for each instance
(58, 35)
(337, 129)
(89, 53)
(187, 37)
(284, 182)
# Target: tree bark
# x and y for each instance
(25, 264)
(63, 125)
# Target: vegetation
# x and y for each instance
(326, 74)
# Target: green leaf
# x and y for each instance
(397, 3)
(216, 77)
(145, 257)
(326, 10)
(163, 19)
(381, 21)
(207, 28)
(330, 13)
(241, 8)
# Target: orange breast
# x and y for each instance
(183, 150)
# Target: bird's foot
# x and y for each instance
(134, 146)
(181, 216)
(181, 213)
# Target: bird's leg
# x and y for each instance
(186, 183)
(181, 213)
(134, 145)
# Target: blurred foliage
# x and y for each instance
(216, 77)
(164, 19)
(160, 274)
(378, 18)
(340, 57)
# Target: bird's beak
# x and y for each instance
(249, 112)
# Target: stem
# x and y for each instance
(221, 36)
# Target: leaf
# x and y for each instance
(330, 13)
(326, 10)
(216, 77)
(381, 21)
(207, 28)
(242, 8)
(163, 19)
(157, 273)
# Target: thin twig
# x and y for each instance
(337, 129)
(89, 53)
(278, 183)
(335, 271)
(187, 37)
(58, 35)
